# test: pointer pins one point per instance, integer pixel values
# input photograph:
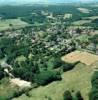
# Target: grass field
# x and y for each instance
(81, 22)
(76, 79)
(83, 38)
(91, 18)
(15, 23)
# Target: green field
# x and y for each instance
(91, 18)
(12, 24)
(81, 22)
(76, 79)
(83, 38)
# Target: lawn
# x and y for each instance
(12, 23)
(77, 79)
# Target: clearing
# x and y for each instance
(81, 22)
(12, 23)
(67, 16)
(84, 10)
(91, 18)
(20, 83)
(83, 57)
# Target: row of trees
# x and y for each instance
(94, 91)
(68, 96)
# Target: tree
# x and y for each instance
(67, 66)
(1, 73)
(67, 95)
(10, 25)
(79, 96)
(94, 80)
(54, 62)
(94, 40)
(94, 91)
(45, 77)
(78, 30)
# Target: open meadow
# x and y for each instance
(74, 80)
(8, 24)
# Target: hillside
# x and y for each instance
(75, 80)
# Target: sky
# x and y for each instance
(42, 1)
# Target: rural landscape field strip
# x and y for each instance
(83, 57)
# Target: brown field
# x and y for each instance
(84, 10)
(83, 57)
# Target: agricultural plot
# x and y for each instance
(79, 56)
(12, 23)
(81, 22)
(91, 18)
(67, 16)
(84, 10)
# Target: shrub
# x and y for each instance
(1, 73)
(95, 21)
(3, 98)
(54, 62)
(67, 66)
(46, 77)
(94, 80)
(93, 94)
(28, 94)
(67, 95)
(79, 96)
(49, 98)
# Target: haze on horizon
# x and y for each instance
(42, 1)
